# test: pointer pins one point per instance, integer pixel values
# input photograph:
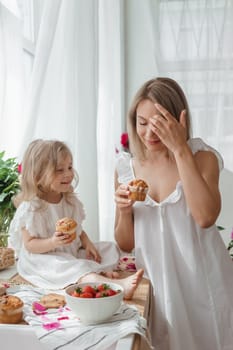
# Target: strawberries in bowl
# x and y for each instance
(92, 302)
(102, 290)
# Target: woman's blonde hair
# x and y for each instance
(164, 91)
(39, 167)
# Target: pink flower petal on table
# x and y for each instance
(38, 309)
(63, 318)
(6, 285)
(52, 325)
(39, 312)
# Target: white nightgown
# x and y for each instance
(66, 264)
(189, 267)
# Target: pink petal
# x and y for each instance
(52, 325)
(39, 312)
(63, 318)
(38, 307)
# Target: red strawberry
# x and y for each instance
(89, 289)
(76, 292)
(86, 295)
(111, 292)
(101, 294)
(102, 287)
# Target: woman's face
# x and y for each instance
(145, 110)
(64, 176)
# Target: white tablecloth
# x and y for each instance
(61, 329)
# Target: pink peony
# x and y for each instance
(20, 168)
(125, 140)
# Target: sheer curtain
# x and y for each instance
(191, 42)
(75, 95)
(91, 57)
(11, 76)
(111, 100)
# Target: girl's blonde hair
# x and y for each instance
(39, 167)
(164, 91)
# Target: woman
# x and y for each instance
(173, 231)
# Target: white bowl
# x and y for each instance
(94, 310)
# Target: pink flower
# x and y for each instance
(125, 140)
(20, 168)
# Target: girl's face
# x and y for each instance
(145, 110)
(64, 176)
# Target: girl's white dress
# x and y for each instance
(65, 264)
(189, 267)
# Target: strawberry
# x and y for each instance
(86, 295)
(110, 292)
(89, 289)
(101, 294)
(76, 292)
(102, 287)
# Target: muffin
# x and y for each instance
(11, 309)
(68, 226)
(52, 300)
(138, 189)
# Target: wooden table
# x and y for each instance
(141, 300)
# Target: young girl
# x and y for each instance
(173, 231)
(47, 258)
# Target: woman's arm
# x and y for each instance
(124, 221)
(199, 175)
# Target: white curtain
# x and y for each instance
(110, 107)
(73, 97)
(190, 41)
(11, 77)
(92, 56)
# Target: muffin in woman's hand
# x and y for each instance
(11, 309)
(138, 189)
(68, 226)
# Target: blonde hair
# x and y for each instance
(39, 166)
(164, 91)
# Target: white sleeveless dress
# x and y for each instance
(65, 264)
(189, 267)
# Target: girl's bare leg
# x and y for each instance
(129, 283)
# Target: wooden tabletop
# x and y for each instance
(141, 300)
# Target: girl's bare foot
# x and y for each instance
(129, 283)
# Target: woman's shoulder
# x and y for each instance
(197, 144)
